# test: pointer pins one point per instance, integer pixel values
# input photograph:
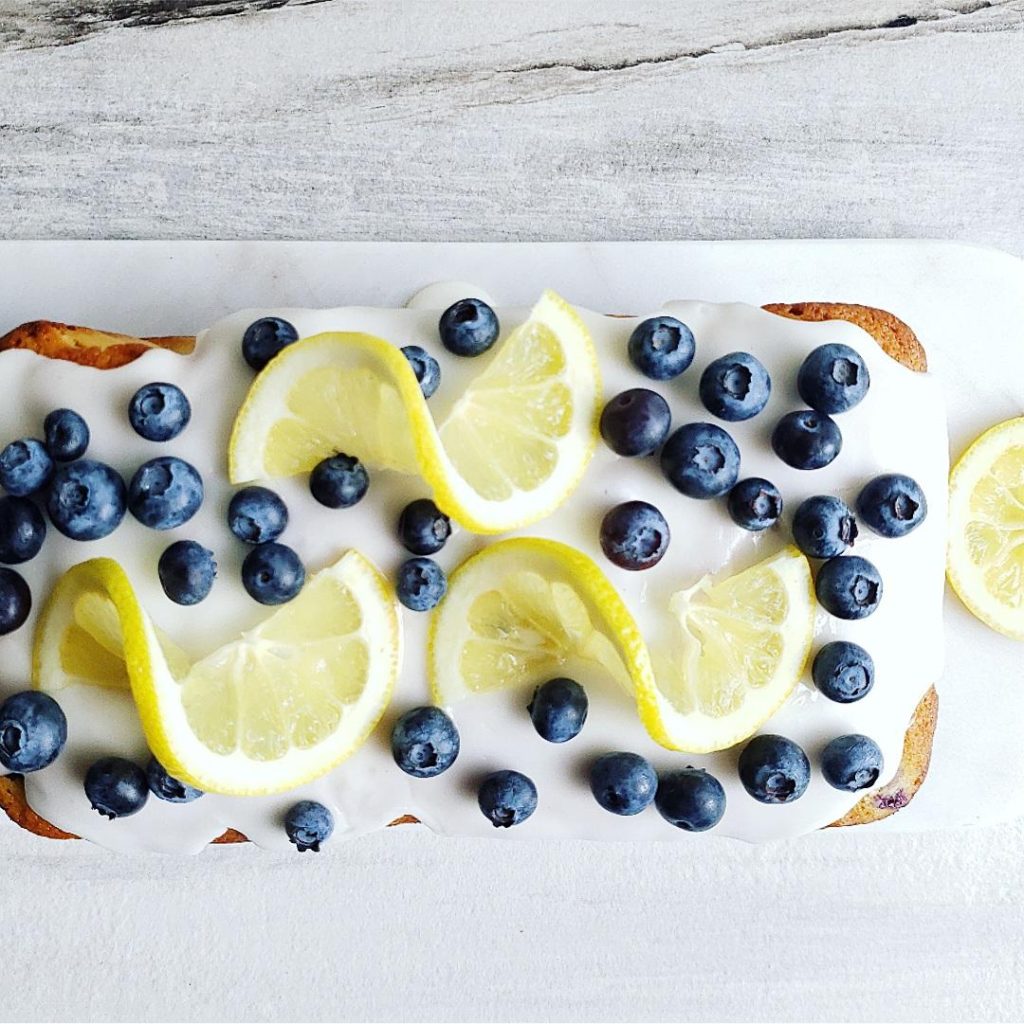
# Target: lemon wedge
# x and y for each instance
(281, 705)
(743, 646)
(512, 449)
(985, 558)
(523, 609)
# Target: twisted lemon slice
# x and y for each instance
(521, 610)
(985, 560)
(511, 451)
(281, 705)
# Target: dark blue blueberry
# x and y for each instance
(423, 528)
(849, 587)
(116, 787)
(167, 787)
(755, 503)
(774, 770)
(824, 526)
(264, 338)
(33, 731)
(558, 710)
(833, 378)
(257, 515)
(892, 505)
(308, 824)
(272, 573)
(159, 411)
(426, 368)
(851, 763)
(662, 347)
(469, 327)
(735, 387)
(165, 493)
(187, 571)
(636, 422)
(67, 435)
(507, 798)
(339, 481)
(424, 742)
(25, 467)
(22, 530)
(701, 460)
(421, 584)
(690, 799)
(623, 783)
(634, 535)
(807, 439)
(843, 671)
(86, 500)
(15, 601)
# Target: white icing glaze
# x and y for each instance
(900, 426)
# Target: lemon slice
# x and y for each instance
(520, 610)
(743, 646)
(985, 559)
(511, 451)
(281, 705)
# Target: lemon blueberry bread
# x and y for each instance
(278, 606)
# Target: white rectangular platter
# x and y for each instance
(966, 304)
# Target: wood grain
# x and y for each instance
(512, 120)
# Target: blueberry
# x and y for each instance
(623, 783)
(15, 601)
(25, 467)
(426, 368)
(86, 500)
(843, 671)
(634, 535)
(272, 573)
(635, 422)
(424, 742)
(662, 347)
(468, 328)
(167, 787)
(33, 731)
(701, 460)
(187, 571)
(308, 824)
(257, 515)
(116, 787)
(339, 481)
(165, 493)
(690, 799)
(849, 587)
(67, 435)
(755, 504)
(833, 378)
(892, 505)
(423, 528)
(507, 798)
(421, 584)
(824, 526)
(735, 387)
(851, 763)
(807, 439)
(774, 770)
(159, 411)
(558, 710)
(264, 338)
(22, 530)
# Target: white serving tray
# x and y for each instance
(965, 303)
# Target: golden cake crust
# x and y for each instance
(107, 350)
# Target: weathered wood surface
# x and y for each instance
(539, 120)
